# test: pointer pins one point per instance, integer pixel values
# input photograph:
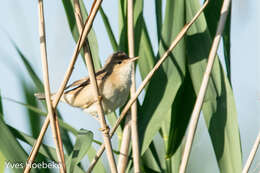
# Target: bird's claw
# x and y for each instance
(99, 98)
(105, 130)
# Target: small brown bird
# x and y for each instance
(114, 81)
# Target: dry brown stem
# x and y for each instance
(252, 154)
(60, 141)
(134, 127)
(90, 66)
(123, 157)
(124, 149)
(145, 81)
(203, 88)
(57, 141)
(58, 95)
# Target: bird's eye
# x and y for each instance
(119, 62)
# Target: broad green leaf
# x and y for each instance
(143, 45)
(130, 165)
(212, 14)
(167, 80)
(45, 150)
(165, 128)
(122, 17)
(83, 142)
(2, 162)
(99, 167)
(31, 72)
(173, 132)
(92, 38)
(64, 133)
(1, 106)
(62, 124)
(150, 159)
(35, 121)
(112, 121)
(109, 29)
(65, 126)
(226, 41)
(158, 12)
(180, 115)
(69, 10)
(2, 158)
(144, 50)
(39, 112)
(176, 159)
(219, 108)
(36, 80)
(148, 170)
(30, 107)
(11, 149)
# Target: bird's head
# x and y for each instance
(119, 60)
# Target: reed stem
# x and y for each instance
(145, 82)
(204, 85)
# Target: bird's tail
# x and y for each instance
(41, 96)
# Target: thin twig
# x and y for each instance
(252, 154)
(124, 149)
(198, 104)
(79, 21)
(90, 66)
(79, 44)
(47, 89)
(57, 126)
(145, 81)
(123, 157)
(134, 128)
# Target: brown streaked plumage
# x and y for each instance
(113, 80)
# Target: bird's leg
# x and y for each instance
(105, 130)
(99, 98)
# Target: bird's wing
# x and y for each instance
(85, 81)
(77, 83)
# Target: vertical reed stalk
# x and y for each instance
(203, 88)
(47, 90)
(134, 128)
(124, 149)
(59, 140)
(90, 66)
(146, 80)
(68, 73)
(252, 154)
(79, 21)
(123, 157)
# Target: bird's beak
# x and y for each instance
(133, 59)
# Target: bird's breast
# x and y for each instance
(116, 90)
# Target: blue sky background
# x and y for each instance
(20, 20)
